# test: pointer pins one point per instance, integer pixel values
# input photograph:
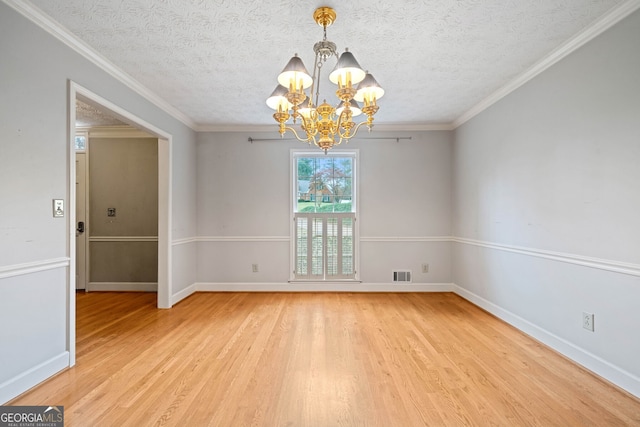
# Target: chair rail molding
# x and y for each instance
(585, 261)
(33, 267)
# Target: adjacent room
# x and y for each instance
(442, 231)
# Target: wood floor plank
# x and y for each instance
(318, 359)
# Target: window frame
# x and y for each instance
(295, 154)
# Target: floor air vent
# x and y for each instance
(402, 276)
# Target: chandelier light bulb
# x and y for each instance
(295, 75)
(277, 100)
(347, 71)
(368, 90)
(306, 110)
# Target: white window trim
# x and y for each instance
(293, 198)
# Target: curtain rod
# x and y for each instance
(397, 138)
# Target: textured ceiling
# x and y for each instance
(88, 115)
(216, 61)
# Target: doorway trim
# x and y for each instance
(165, 139)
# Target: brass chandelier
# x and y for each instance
(324, 124)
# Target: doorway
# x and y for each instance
(116, 204)
(164, 299)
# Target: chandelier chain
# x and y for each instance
(319, 68)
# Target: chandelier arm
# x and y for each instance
(309, 138)
(309, 125)
(339, 122)
(353, 132)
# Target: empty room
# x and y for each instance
(320, 214)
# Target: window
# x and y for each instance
(324, 215)
(80, 142)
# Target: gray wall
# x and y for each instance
(34, 163)
(123, 174)
(547, 192)
(244, 203)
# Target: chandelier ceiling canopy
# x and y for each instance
(323, 124)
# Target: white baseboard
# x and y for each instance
(179, 296)
(324, 287)
(122, 286)
(17, 385)
(595, 364)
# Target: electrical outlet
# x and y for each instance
(254, 268)
(425, 268)
(587, 321)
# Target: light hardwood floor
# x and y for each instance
(318, 359)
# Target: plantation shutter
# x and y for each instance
(324, 246)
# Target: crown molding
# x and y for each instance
(38, 17)
(615, 15)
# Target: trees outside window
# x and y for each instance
(325, 184)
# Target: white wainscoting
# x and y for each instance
(562, 315)
(595, 364)
(32, 377)
(37, 276)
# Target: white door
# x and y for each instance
(81, 221)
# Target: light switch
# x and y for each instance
(58, 208)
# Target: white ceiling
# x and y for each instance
(88, 115)
(216, 61)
